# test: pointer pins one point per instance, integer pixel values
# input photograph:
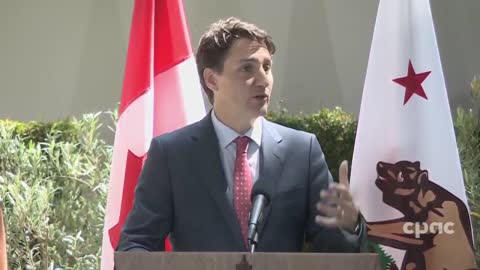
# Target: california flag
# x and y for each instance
(406, 174)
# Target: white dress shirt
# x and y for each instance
(228, 149)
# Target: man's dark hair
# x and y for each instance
(216, 41)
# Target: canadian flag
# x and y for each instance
(161, 92)
(406, 173)
(3, 242)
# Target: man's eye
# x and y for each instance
(267, 67)
(246, 68)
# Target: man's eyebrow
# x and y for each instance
(251, 60)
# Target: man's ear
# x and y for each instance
(210, 78)
(422, 177)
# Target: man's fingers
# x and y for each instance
(343, 173)
(327, 210)
(329, 196)
(342, 191)
(330, 222)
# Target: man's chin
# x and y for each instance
(261, 112)
(264, 112)
(257, 111)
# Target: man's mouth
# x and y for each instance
(261, 97)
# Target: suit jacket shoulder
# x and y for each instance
(180, 135)
(290, 135)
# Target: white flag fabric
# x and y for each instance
(161, 92)
(406, 173)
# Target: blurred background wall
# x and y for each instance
(66, 57)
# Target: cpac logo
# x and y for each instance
(430, 215)
(420, 228)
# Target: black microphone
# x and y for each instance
(260, 200)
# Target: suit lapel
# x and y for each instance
(272, 158)
(209, 166)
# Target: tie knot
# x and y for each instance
(242, 143)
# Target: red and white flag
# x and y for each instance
(161, 92)
(406, 173)
(3, 242)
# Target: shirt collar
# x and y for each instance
(226, 134)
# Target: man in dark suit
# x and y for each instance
(197, 181)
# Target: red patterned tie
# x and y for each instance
(242, 185)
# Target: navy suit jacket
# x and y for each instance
(182, 193)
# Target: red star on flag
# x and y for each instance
(412, 83)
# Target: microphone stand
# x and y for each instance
(258, 205)
(253, 243)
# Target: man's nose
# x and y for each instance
(262, 79)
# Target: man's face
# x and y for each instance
(245, 84)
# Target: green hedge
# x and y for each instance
(54, 176)
(67, 130)
(335, 130)
(53, 179)
(467, 130)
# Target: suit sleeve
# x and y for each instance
(321, 238)
(150, 220)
